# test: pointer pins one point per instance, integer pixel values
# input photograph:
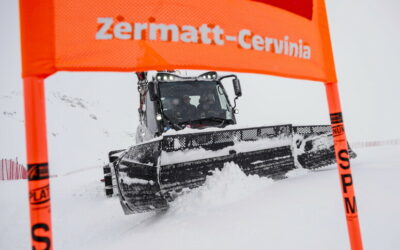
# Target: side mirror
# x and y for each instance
(236, 87)
(153, 91)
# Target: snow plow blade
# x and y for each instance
(149, 175)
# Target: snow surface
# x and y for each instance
(231, 211)
(90, 114)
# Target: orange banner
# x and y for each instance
(283, 38)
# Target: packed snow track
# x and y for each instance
(231, 211)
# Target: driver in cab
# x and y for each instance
(183, 109)
(208, 107)
(188, 109)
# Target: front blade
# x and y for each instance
(151, 174)
(187, 159)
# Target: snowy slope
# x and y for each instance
(89, 114)
(231, 211)
(88, 124)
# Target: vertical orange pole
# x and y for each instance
(344, 167)
(38, 171)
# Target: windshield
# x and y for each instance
(194, 101)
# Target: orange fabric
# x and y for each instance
(37, 37)
(269, 30)
(344, 166)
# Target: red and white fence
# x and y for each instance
(12, 170)
(368, 144)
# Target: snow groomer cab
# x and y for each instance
(170, 101)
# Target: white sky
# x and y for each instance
(366, 47)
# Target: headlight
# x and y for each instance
(166, 77)
(209, 75)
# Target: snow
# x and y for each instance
(133, 180)
(240, 147)
(90, 114)
(225, 186)
(231, 211)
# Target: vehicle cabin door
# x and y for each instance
(150, 117)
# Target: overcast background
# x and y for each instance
(365, 36)
(90, 114)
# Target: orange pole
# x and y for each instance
(344, 167)
(38, 172)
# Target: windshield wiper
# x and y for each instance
(208, 119)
